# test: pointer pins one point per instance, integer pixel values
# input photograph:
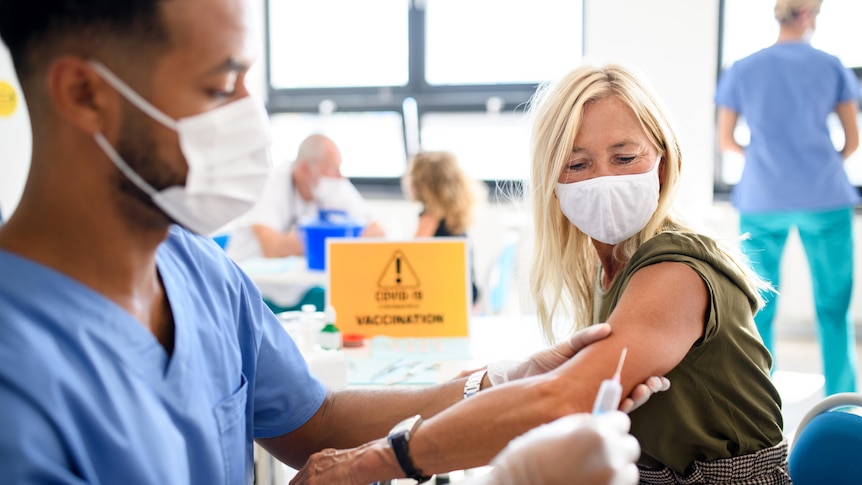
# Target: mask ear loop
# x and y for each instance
(131, 95)
(122, 165)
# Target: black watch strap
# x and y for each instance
(400, 443)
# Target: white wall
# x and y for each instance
(674, 44)
(15, 142)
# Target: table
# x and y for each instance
(491, 338)
(283, 280)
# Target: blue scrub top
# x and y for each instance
(785, 92)
(88, 395)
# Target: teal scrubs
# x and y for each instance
(794, 177)
(827, 237)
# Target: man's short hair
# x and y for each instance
(33, 28)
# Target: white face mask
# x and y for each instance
(611, 209)
(329, 192)
(227, 152)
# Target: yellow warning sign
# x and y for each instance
(415, 288)
(8, 99)
(398, 273)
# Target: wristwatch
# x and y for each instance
(474, 383)
(399, 440)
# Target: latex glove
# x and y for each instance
(579, 448)
(551, 358)
(642, 392)
(548, 359)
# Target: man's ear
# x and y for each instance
(82, 98)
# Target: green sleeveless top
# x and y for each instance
(721, 402)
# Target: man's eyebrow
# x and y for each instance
(229, 65)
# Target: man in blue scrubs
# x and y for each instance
(132, 350)
(794, 176)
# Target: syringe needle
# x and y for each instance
(620, 365)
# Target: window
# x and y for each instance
(371, 143)
(750, 25)
(481, 42)
(481, 141)
(385, 78)
(334, 43)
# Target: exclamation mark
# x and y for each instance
(398, 270)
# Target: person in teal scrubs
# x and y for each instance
(794, 177)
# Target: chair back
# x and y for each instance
(827, 447)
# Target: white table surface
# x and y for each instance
(491, 338)
(283, 280)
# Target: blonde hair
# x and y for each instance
(787, 10)
(437, 181)
(565, 265)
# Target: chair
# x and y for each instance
(827, 447)
(501, 278)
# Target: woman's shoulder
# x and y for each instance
(710, 258)
(694, 249)
(679, 242)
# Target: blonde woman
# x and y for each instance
(448, 197)
(605, 169)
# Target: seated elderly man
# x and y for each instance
(296, 191)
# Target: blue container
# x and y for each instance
(328, 224)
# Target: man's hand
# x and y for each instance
(642, 392)
(549, 359)
(579, 448)
(373, 230)
(356, 466)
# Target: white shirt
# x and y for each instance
(281, 208)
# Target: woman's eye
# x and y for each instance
(627, 160)
(576, 166)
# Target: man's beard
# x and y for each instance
(138, 149)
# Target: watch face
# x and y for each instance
(407, 426)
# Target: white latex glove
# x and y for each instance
(579, 448)
(551, 358)
(548, 359)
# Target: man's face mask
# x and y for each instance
(326, 187)
(227, 152)
(611, 209)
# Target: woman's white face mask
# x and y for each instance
(227, 152)
(613, 208)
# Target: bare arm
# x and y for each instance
(274, 244)
(350, 417)
(847, 115)
(659, 318)
(373, 229)
(427, 225)
(726, 124)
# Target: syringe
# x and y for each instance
(611, 390)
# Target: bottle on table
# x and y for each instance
(329, 336)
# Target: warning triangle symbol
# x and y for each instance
(398, 273)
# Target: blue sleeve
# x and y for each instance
(849, 87)
(282, 393)
(286, 395)
(727, 91)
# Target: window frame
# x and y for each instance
(468, 98)
(721, 189)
